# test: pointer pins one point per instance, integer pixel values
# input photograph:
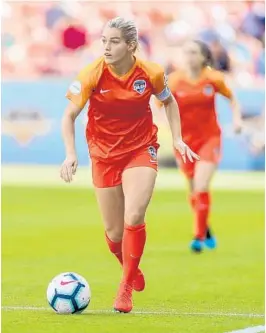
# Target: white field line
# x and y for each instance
(48, 176)
(142, 312)
(254, 329)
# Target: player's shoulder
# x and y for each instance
(175, 78)
(152, 69)
(95, 67)
(214, 75)
(177, 75)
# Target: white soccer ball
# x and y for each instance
(68, 293)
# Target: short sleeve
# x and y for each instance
(173, 79)
(222, 87)
(82, 87)
(161, 89)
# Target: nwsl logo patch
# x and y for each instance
(139, 86)
(208, 90)
(153, 153)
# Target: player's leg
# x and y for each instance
(191, 192)
(138, 183)
(188, 170)
(137, 197)
(196, 245)
(204, 171)
(110, 197)
(111, 203)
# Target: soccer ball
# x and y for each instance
(68, 293)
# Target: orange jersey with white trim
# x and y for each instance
(120, 118)
(196, 101)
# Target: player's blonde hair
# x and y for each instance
(128, 29)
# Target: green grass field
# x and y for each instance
(46, 231)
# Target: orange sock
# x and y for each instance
(115, 248)
(202, 207)
(133, 243)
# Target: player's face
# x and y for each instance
(115, 47)
(193, 56)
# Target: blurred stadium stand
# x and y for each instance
(45, 44)
(53, 38)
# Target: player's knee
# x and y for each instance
(134, 216)
(201, 187)
(114, 233)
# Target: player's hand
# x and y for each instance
(185, 151)
(238, 125)
(68, 168)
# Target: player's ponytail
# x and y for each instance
(128, 29)
(206, 52)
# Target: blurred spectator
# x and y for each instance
(53, 14)
(254, 20)
(260, 62)
(53, 38)
(74, 36)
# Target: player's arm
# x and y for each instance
(237, 116)
(70, 164)
(173, 116)
(78, 95)
(224, 90)
(164, 95)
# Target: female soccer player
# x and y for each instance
(194, 89)
(122, 141)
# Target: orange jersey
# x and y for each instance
(196, 101)
(120, 118)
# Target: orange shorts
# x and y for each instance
(109, 174)
(209, 151)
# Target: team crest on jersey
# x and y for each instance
(208, 90)
(139, 86)
(152, 151)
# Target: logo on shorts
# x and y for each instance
(208, 90)
(139, 86)
(152, 151)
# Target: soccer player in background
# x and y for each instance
(194, 88)
(122, 141)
